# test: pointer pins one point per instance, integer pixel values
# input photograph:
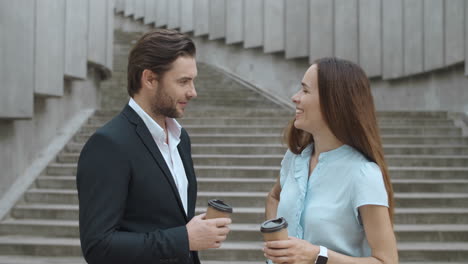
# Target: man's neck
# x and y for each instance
(159, 119)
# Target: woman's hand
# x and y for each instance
(291, 251)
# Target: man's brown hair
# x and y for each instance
(156, 51)
(348, 109)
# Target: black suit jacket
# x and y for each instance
(130, 209)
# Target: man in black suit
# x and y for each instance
(136, 183)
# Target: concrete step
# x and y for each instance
(277, 139)
(87, 131)
(45, 211)
(242, 215)
(429, 172)
(41, 260)
(433, 251)
(284, 121)
(225, 112)
(422, 216)
(39, 246)
(58, 169)
(408, 252)
(40, 228)
(265, 184)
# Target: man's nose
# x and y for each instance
(193, 92)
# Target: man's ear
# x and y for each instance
(148, 79)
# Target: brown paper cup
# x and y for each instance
(275, 229)
(218, 209)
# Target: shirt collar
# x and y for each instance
(173, 127)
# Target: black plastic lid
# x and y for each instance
(273, 225)
(220, 205)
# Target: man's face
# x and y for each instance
(175, 88)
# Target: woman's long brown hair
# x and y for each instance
(347, 106)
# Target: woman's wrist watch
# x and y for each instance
(322, 256)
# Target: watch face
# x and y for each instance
(321, 260)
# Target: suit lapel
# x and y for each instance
(191, 192)
(148, 141)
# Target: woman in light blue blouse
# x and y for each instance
(334, 188)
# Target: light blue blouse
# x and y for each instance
(323, 208)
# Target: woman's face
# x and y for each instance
(308, 114)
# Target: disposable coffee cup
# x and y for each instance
(218, 209)
(275, 229)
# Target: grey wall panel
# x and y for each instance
(370, 37)
(174, 14)
(392, 46)
(234, 21)
(139, 9)
(433, 34)
(150, 12)
(16, 58)
(466, 39)
(201, 17)
(186, 19)
(274, 21)
(297, 28)
(110, 34)
(217, 25)
(49, 48)
(413, 37)
(76, 35)
(253, 26)
(346, 30)
(321, 29)
(161, 14)
(454, 19)
(120, 6)
(97, 36)
(129, 7)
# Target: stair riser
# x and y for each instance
(44, 214)
(404, 255)
(433, 255)
(274, 173)
(280, 121)
(88, 131)
(431, 202)
(266, 186)
(41, 231)
(52, 198)
(276, 161)
(277, 140)
(426, 151)
(234, 235)
(434, 218)
(58, 198)
(248, 218)
(40, 250)
(65, 171)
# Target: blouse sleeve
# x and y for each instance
(369, 188)
(285, 167)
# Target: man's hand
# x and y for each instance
(205, 234)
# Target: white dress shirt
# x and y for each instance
(168, 150)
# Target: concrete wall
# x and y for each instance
(389, 39)
(53, 55)
(443, 89)
(76, 34)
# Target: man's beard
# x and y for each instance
(163, 104)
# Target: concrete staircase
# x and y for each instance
(237, 150)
